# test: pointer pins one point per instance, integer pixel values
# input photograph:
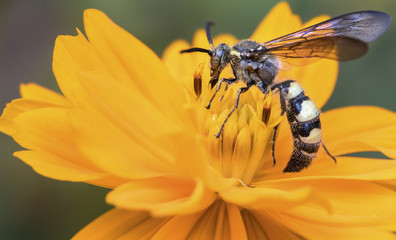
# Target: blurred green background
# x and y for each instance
(34, 207)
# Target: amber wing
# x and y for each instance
(341, 38)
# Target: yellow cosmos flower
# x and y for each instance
(134, 123)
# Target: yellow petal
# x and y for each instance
(312, 230)
(15, 108)
(262, 197)
(51, 166)
(260, 221)
(191, 160)
(352, 168)
(237, 226)
(121, 224)
(200, 40)
(358, 129)
(181, 66)
(219, 221)
(132, 62)
(278, 22)
(224, 38)
(72, 56)
(133, 113)
(109, 181)
(355, 203)
(317, 79)
(117, 56)
(162, 196)
(112, 150)
(241, 153)
(48, 130)
(178, 227)
(213, 224)
(36, 92)
(253, 227)
(33, 97)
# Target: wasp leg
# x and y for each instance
(240, 91)
(328, 153)
(225, 89)
(218, 86)
(283, 108)
(273, 145)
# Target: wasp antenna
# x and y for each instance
(208, 35)
(197, 49)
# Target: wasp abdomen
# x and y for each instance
(303, 117)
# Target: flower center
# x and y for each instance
(244, 145)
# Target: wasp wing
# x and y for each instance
(341, 38)
(335, 48)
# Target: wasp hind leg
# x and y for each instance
(328, 153)
(273, 144)
(283, 108)
(240, 91)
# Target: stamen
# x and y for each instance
(246, 185)
(267, 109)
(266, 114)
(198, 80)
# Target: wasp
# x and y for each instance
(342, 38)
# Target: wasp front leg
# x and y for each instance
(228, 81)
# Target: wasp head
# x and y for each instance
(219, 56)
